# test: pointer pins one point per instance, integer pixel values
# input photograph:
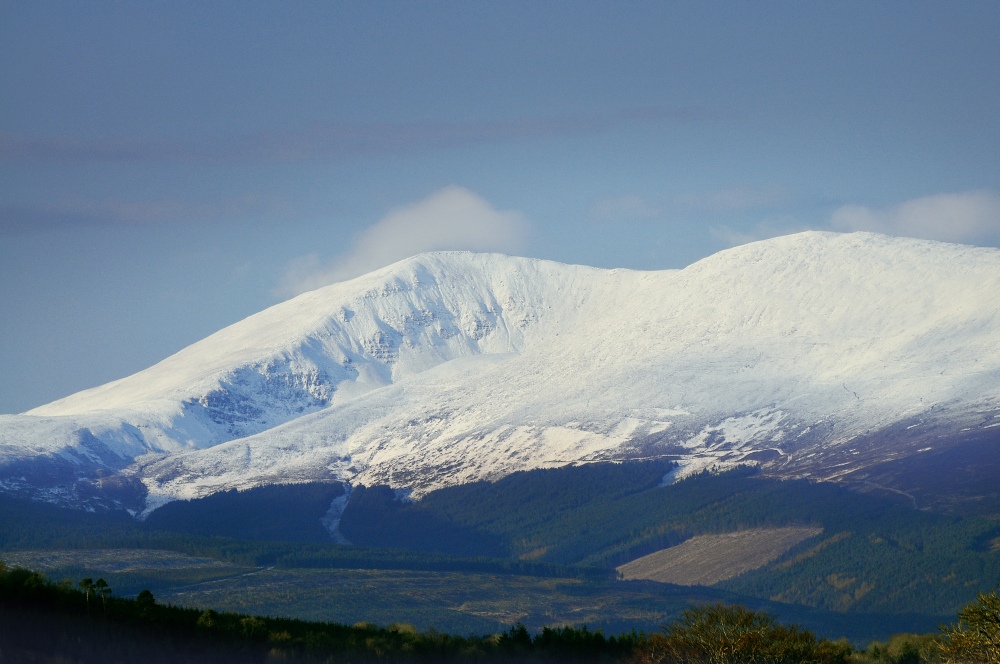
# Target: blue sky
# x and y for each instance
(168, 168)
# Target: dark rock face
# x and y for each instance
(256, 398)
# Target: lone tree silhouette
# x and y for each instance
(102, 588)
(87, 586)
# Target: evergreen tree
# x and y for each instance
(87, 586)
(102, 589)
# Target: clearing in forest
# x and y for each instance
(708, 559)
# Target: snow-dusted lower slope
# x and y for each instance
(452, 367)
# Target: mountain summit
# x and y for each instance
(831, 356)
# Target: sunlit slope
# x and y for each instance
(454, 366)
(300, 356)
(705, 560)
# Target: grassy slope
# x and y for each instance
(708, 559)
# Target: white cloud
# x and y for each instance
(453, 218)
(960, 217)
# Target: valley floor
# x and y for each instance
(453, 602)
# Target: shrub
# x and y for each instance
(976, 635)
(720, 634)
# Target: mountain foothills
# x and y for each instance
(859, 358)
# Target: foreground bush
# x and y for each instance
(975, 638)
(903, 649)
(720, 634)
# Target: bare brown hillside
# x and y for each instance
(709, 559)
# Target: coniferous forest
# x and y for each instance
(877, 568)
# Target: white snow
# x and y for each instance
(452, 367)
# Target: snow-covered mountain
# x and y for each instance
(815, 354)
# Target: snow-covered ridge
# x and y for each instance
(451, 367)
(291, 358)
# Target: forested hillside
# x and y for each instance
(873, 555)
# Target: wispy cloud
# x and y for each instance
(719, 201)
(78, 212)
(328, 141)
(960, 217)
(732, 199)
(453, 218)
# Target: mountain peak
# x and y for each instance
(450, 367)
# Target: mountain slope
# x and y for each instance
(815, 354)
